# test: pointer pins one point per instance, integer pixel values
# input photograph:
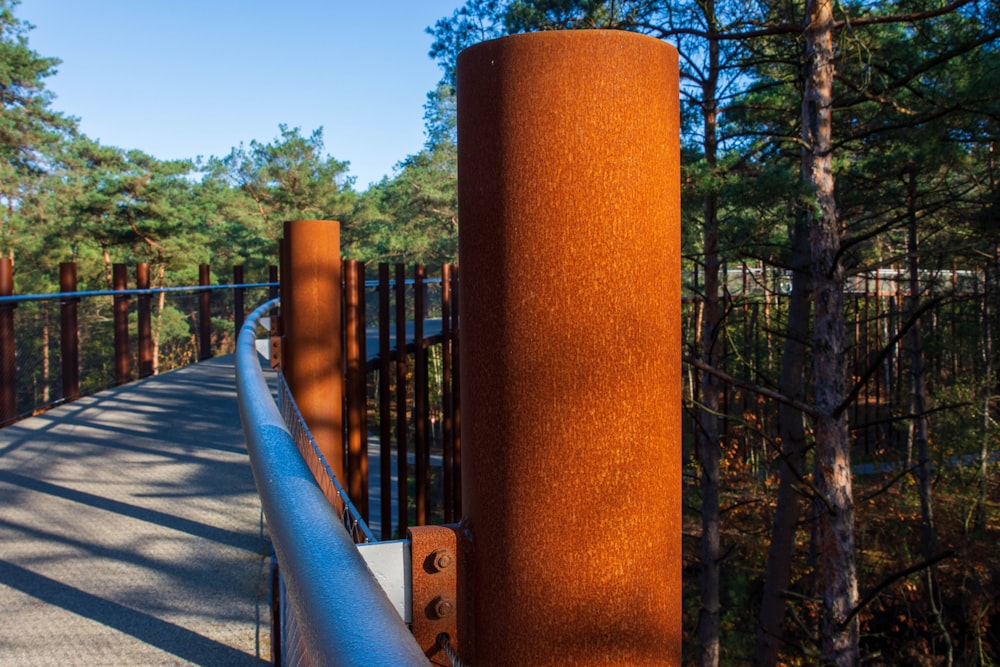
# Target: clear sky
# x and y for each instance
(188, 78)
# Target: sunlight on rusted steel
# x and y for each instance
(314, 359)
(571, 385)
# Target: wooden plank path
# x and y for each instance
(131, 531)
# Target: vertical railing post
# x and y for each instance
(421, 450)
(272, 277)
(356, 389)
(384, 401)
(313, 350)
(569, 161)
(402, 425)
(239, 294)
(279, 351)
(144, 325)
(70, 341)
(123, 355)
(456, 391)
(8, 351)
(204, 314)
(447, 450)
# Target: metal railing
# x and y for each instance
(334, 611)
(58, 346)
(334, 492)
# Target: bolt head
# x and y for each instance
(442, 607)
(443, 559)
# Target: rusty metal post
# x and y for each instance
(313, 347)
(421, 448)
(279, 353)
(144, 321)
(402, 425)
(123, 356)
(447, 450)
(456, 391)
(239, 295)
(70, 339)
(384, 401)
(204, 314)
(356, 389)
(8, 350)
(276, 330)
(570, 252)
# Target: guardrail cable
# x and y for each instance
(444, 643)
(334, 492)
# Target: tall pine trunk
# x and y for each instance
(792, 431)
(918, 383)
(708, 433)
(987, 383)
(834, 527)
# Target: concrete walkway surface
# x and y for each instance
(131, 532)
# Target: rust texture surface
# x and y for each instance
(314, 360)
(437, 563)
(569, 201)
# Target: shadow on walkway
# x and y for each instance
(130, 529)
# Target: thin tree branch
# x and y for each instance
(750, 386)
(872, 594)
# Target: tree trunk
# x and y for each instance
(918, 385)
(987, 382)
(708, 440)
(836, 566)
(793, 445)
(919, 427)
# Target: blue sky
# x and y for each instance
(183, 78)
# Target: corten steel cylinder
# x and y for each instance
(8, 354)
(204, 314)
(571, 378)
(70, 333)
(314, 365)
(144, 327)
(123, 355)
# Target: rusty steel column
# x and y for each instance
(123, 356)
(356, 388)
(314, 348)
(8, 349)
(571, 379)
(144, 323)
(70, 328)
(239, 296)
(204, 314)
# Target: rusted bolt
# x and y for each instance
(442, 607)
(442, 559)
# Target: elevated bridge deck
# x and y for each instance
(131, 531)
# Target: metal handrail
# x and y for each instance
(356, 526)
(53, 296)
(344, 616)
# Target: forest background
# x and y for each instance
(833, 150)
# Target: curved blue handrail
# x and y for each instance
(342, 613)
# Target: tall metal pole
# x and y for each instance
(571, 389)
(239, 296)
(8, 349)
(144, 328)
(70, 339)
(123, 356)
(204, 314)
(314, 348)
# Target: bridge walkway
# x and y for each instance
(131, 532)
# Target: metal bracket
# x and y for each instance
(389, 562)
(436, 555)
(276, 343)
